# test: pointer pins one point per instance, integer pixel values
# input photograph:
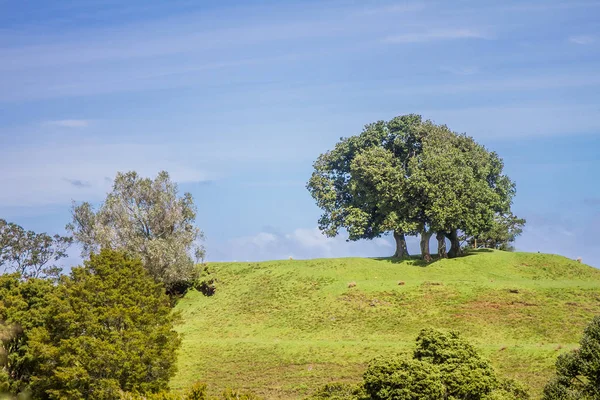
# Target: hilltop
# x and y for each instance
(283, 328)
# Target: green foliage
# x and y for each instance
(397, 378)
(465, 374)
(106, 328)
(504, 230)
(444, 365)
(23, 308)
(339, 391)
(578, 372)
(409, 176)
(146, 219)
(30, 254)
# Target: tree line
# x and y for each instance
(413, 177)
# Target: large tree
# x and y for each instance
(457, 185)
(361, 183)
(145, 218)
(106, 328)
(30, 254)
(409, 176)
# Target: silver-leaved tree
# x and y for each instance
(145, 218)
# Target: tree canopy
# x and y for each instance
(410, 176)
(145, 218)
(105, 329)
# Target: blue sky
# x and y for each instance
(236, 99)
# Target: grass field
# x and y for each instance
(283, 328)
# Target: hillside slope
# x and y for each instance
(283, 328)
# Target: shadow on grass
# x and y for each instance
(417, 261)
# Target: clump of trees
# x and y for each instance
(578, 371)
(443, 366)
(409, 177)
(30, 254)
(105, 329)
(145, 218)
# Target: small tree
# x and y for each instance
(147, 219)
(108, 329)
(578, 372)
(501, 234)
(30, 254)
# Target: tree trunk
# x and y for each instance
(425, 236)
(454, 244)
(401, 249)
(441, 238)
(475, 243)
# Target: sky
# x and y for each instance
(236, 99)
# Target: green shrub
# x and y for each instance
(230, 394)
(397, 378)
(465, 373)
(578, 372)
(444, 366)
(339, 391)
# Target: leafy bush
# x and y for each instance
(465, 374)
(339, 391)
(397, 378)
(444, 366)
(578, 372)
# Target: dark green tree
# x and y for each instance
(105, 329)
(578, 371)
(409, 176)
(361, 183)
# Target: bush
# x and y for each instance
(444, 365)
(339, 391)
(397, 378)
(578, 372)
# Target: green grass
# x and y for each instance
(283, 328)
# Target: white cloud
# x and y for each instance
(56, 173)
(436, 35)
(301, 243)
(69, 123)
(582, 39)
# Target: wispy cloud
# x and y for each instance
(582, 39)
(68, 123)
(465, 70)
(300, 243)
(437, 35)
(78, 183)
(53, 173)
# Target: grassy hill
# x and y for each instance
(283, 328)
